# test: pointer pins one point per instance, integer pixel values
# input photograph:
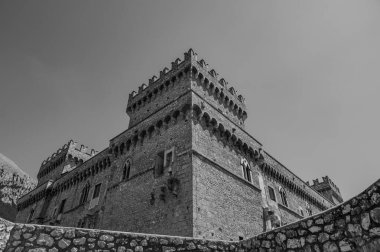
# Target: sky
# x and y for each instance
(309, 71)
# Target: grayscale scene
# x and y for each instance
(169, 125)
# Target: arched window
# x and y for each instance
(246, 170)
(84, 194)
(283, 196)
(126, 170)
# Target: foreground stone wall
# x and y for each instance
(5, 230)
(351, 226)
(46, 238)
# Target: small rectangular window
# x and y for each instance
(159, 165)
(169, 157)
(62, 206)
(272, 196)
(96, 191)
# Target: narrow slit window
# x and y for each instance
(126, 170)
(169, 157)
(248, 174)
(30, 215)
(159, 164)
(62, 206)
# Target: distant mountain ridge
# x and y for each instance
(14, 183)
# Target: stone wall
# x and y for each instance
(5, 230)
(351, 226)
(51, 239)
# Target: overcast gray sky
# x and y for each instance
(309, 71)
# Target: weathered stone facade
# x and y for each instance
(351, 226)
(185, 166)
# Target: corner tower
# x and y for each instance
(328, 189)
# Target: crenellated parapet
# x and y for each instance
(71, 150)
(191, 68)
(325, 181)
(327, 188)
(91, 167)
(33, 196)
(157, 85)
(60, 151)
(202, 70)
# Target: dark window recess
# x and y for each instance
(272, 196)
(283, 198)
(248, 174)
(30, 215)
(159, 165)
(84, 195)
(126, 170)
(96, 191)
(62, 206)
(310, 211)
(169, 158)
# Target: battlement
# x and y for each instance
(325, 181)
(190, 57)
(73, 150)
(135, 98)
(65, 147)
(83, 149)
(170, 81)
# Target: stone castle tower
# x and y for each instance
(185, 166)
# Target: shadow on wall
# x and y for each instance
(352, 226)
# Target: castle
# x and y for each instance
(185, 166)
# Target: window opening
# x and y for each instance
(126, 170)
(96, 191)
(159, 165)
(283, 197)
(272, 196)
(248, 173)
(168, 158)
(31, 215)
(84, 195)
(62, 206)
(301, 211)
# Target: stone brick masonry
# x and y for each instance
(351, 226)
(185, 166)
